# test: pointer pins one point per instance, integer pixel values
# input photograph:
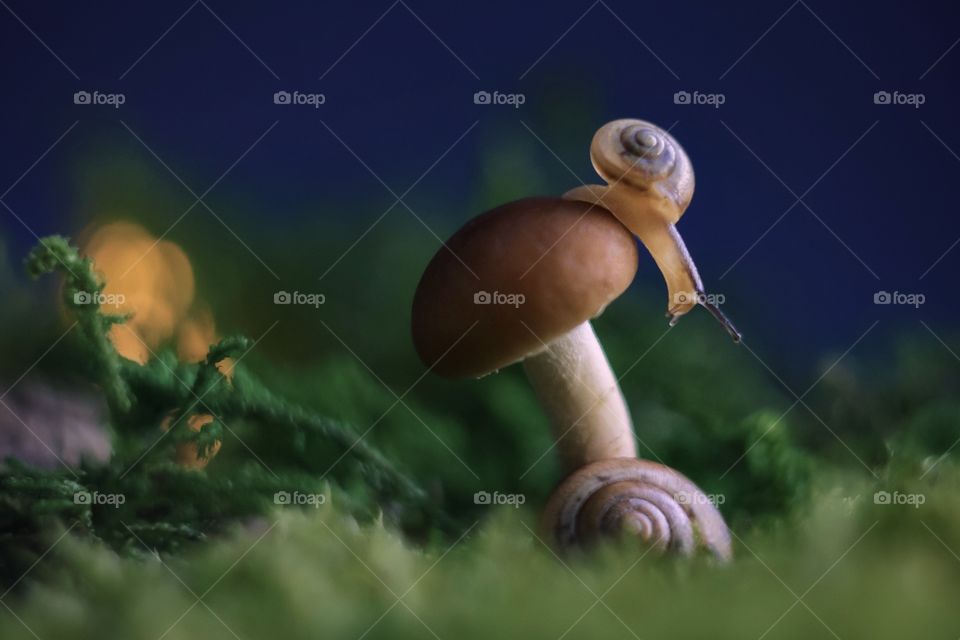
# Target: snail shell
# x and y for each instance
(635, 497)
(639, 154)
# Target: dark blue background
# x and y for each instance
(800, 98)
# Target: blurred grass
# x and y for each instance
(797, 499)
(837, 565)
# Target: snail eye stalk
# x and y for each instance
(718, 315)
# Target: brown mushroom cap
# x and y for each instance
(562, 261)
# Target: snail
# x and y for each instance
(515, 285)
(629, 497)
(650, 184)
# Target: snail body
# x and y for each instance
(650, 183)
(629, 497)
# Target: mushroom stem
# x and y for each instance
(577, 388)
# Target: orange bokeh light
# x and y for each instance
(152, 280)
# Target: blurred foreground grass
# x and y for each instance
(839, 566)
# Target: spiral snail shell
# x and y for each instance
(626, 496)
(640, 154)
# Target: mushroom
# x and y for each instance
(651, 183)
(521, 283)
(515, 284)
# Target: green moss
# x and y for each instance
(860, 570)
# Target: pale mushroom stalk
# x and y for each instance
(578, 391)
